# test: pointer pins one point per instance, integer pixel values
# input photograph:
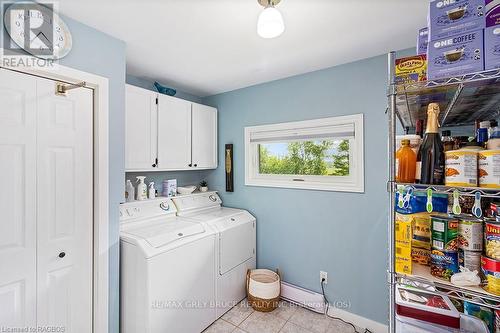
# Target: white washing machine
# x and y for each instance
(167, 280)
(235, 243)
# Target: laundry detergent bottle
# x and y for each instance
(142, 189)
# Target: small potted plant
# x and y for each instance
(203, 186)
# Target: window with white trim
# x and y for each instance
(320, 154)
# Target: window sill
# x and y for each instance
(333, 187)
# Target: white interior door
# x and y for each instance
(174, 133)
(64, 203)
(140, 129)
(17, 199)
(204, 136)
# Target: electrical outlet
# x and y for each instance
(323, 277)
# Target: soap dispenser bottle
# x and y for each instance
(129, 191)
(151, 191)
(141, 188)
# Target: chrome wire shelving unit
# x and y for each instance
(464, 99)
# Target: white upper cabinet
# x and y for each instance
(140, 129)
(204, 134)
(174, 133)
(165, 133)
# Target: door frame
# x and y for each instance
(100, 260)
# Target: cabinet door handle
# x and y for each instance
(62, 255)
(196, 165)
(155, 163)
(190, 165)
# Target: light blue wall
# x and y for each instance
(148, 84)
(101, 54)
(305, 231)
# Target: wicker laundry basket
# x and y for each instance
(263, 289)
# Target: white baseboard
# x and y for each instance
(359, 321)
(303, 297)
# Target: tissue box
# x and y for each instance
(452, 17)
(422, 40)
(492, 35)
(456, 55)
(411, 69)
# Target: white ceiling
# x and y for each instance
(206, 47)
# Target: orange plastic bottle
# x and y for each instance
(406, 163)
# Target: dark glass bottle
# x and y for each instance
(419, 130)
(432, 150)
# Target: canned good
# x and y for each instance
(444, 233)
(489, 168)
(470, 234)
(461, 167)
(492, 240)
(491, 270)
(470, 260)
(444, 263)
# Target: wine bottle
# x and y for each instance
(432, 150)
(420, 132)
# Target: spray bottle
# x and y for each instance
(151, 191)
(142, 190)
(129, 191)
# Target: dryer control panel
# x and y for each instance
(196, 202)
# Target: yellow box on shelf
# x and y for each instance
(403, 235)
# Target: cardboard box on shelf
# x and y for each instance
(411, 69)
(403, 235)
(422, 40)
(492, 35)
(452, 17)
(456, 55)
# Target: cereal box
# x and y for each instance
(411, 69)
(451, 17)
(403, 236)
(456, 55)
(421, 228)
(421, 256)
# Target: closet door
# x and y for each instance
(140, 129)
(174, 133)
(204, 136)
(17, 199)
(64, 195)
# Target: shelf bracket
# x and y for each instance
(391, 186)
(452, 103)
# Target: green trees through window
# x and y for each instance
(320, 158)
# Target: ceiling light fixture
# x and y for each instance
(270, 23)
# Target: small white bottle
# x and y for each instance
(151, 191)
(129, 191)
(142, 190)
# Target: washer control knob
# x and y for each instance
(164, 205)
(212, 198)
(180, 234)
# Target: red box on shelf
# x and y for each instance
(426, 306)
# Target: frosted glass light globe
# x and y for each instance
(270, 23)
